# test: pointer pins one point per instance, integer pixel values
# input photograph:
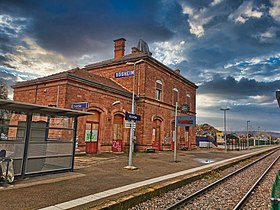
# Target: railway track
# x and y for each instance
(231, 191)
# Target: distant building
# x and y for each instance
(220, 137)
(105, 89)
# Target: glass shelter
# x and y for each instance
(39, 139)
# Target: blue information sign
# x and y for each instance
(124, 73)
(80, 105)
(130, 116)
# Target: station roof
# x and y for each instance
(35, 108)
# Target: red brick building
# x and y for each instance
(107, 88)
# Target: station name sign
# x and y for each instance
(127, 73)
(186, 120)
(134, 117)
(80, 105)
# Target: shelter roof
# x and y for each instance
(34, 108)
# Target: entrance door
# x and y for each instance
(173, 135)
(156, 134)
(117, 143)
(92, 133)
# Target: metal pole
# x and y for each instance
(175, 133)
(132, 122)
(225, 128)
(26, 144)
(75, 126)
(225, 123)
(247, 134)
(239, 144)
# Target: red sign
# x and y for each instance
(185, 121)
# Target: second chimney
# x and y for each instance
(119, 48)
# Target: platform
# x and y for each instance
(97, 178)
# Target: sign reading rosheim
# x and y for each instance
(186, 120)
(127, 73)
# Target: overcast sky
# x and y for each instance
(229, 48)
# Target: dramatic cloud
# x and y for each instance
(247, 99)
(229, 48)
(275, 9)
(197, 19)
(245, 12)
(31, 57)
(249, 89)
(62, 26)
(169, 53)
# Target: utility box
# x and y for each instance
(275, 194)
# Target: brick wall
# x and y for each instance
(145, 82)
(65, 91)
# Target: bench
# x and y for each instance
(150, 149)
(183, 147)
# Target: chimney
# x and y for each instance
(177, 71)
(119, 48)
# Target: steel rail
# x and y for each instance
(212, 185)
(243, 201)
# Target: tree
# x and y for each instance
(3, 113)
(3, 90)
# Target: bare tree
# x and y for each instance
(3, 113)
(3, 90)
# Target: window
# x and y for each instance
(118, 127)
(92, 127)
(158, 90)
(175, 96)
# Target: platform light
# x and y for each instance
(225, 127)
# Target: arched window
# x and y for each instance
(175, 96)
(118, 127)
(158, 90)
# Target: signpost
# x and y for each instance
(80, 105)
(181, 121)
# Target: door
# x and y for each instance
(173, 135)
(156, 134)
(92, 133)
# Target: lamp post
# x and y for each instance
(248, 134)
(130, 166)
(225, 127)
(175, 134)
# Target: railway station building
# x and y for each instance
(106, 89)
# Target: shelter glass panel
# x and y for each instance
(12, 136)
